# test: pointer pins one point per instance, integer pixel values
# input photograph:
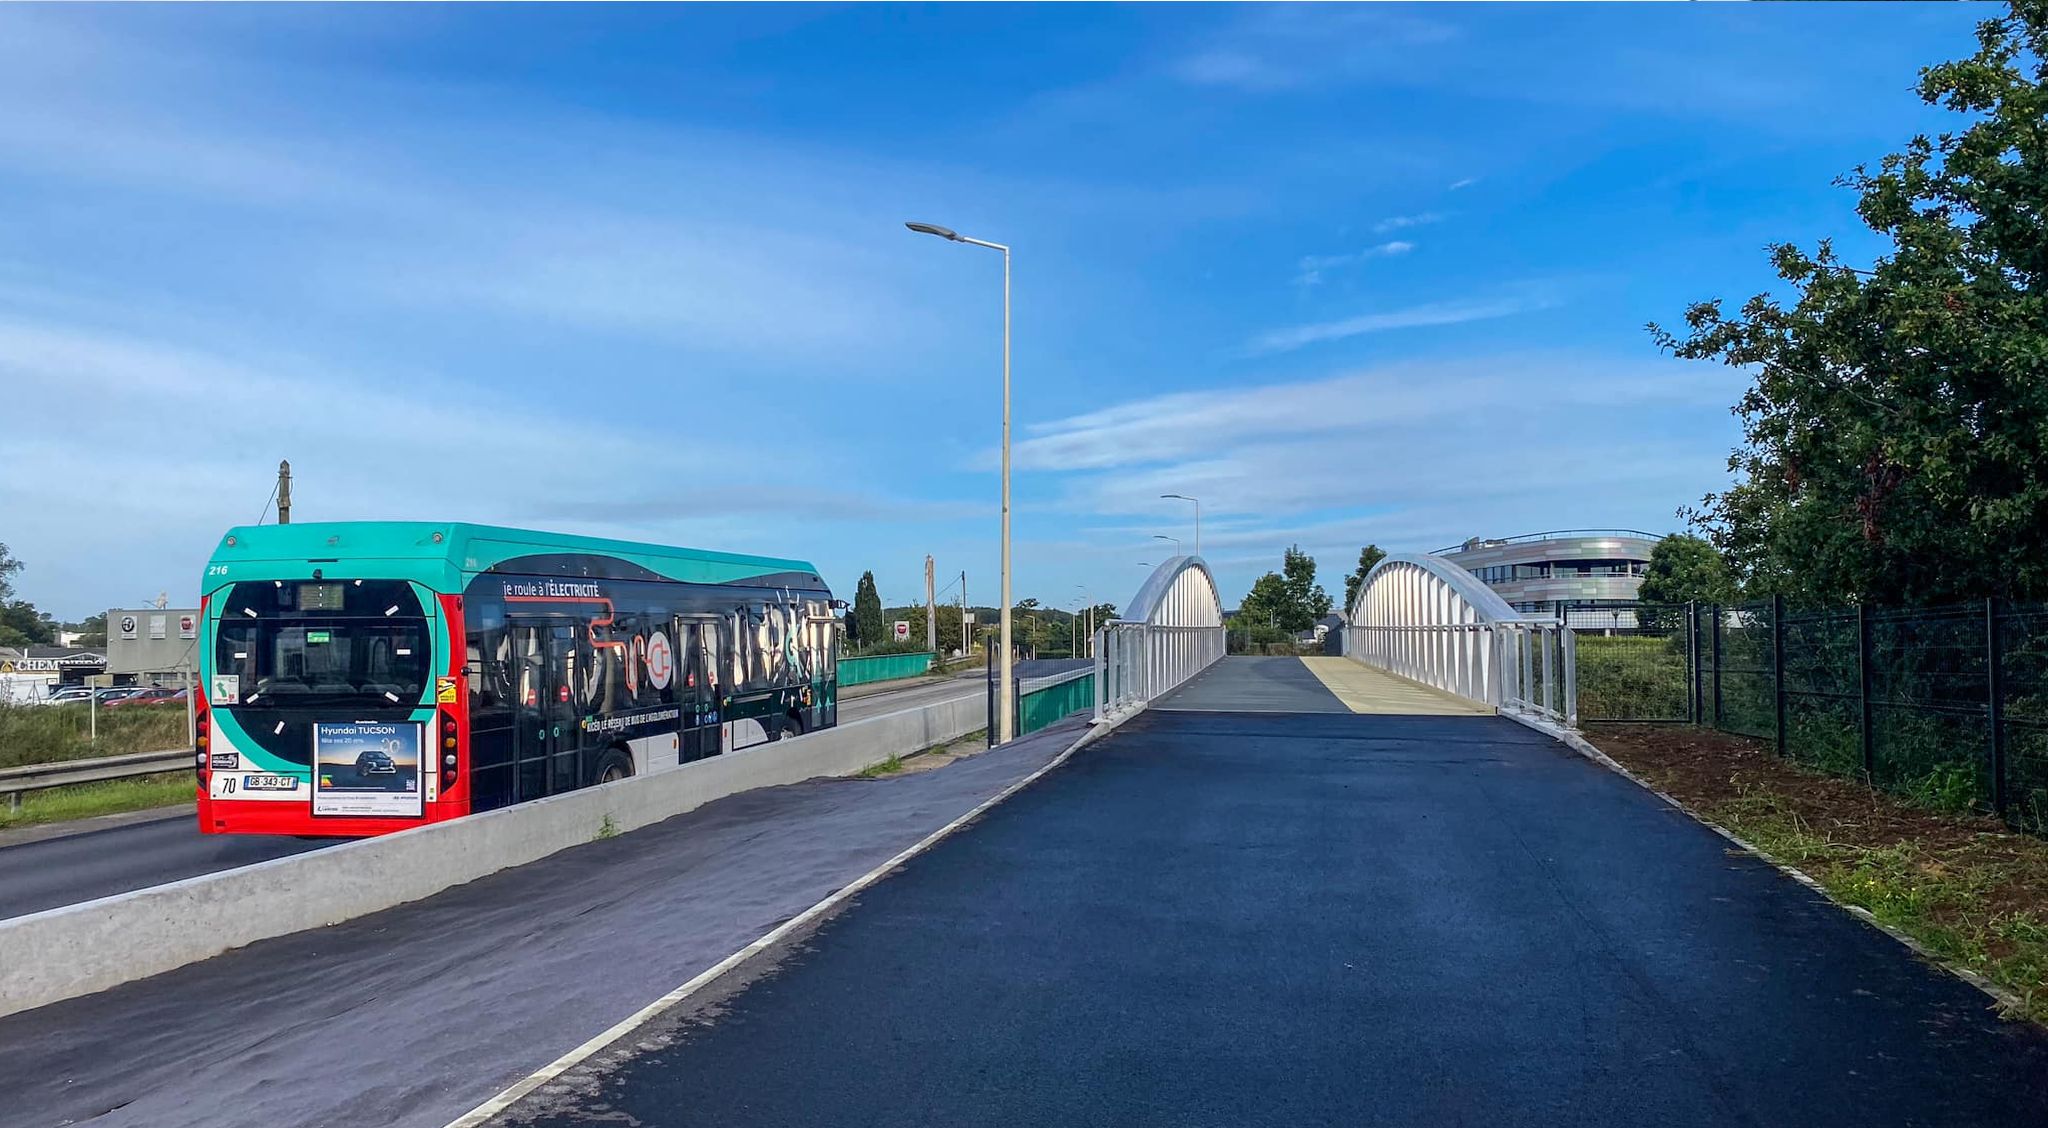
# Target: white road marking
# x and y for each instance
(483, 1113)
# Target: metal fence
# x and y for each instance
(1946, 705)
(1137, 662)
(863, 669)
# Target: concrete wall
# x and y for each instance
(79, 949)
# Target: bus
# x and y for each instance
(363, 677)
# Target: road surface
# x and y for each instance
(1244, 919)
(52, 872)
(410, 1017)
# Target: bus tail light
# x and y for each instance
(202, 744)
(451, 743)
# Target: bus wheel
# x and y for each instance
(792, 725)
(612, 768)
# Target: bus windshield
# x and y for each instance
(367, 648)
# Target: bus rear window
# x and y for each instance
(359, 643)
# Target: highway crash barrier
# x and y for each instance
(78, 949)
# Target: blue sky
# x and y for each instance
(1349, 274)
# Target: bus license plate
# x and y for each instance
(270, 783)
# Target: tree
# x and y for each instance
(1368, 557)
(1306, 599)
(8, 567)
(1684, 568)
(1895, 440)
(1266, 605)
(868, 629)
(22, 625)
(92, 630)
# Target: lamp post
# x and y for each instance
(1175, 540)
(1005, 722)
(1089, 598)
(1198, 518)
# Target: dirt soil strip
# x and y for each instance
(411, 1016)
(1963, 890)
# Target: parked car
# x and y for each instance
(150, 695)
(68, 695)
(174, 697)
(119, 693)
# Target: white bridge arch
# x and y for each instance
(1169, 632)
(1428, 620)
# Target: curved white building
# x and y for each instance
(1538, 571)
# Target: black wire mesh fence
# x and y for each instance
(1945, 705)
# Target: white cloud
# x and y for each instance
(1411, 317)
(1310, 270)
(1412, 456)
(1399, 222)
(1467, 182)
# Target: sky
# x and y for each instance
(1362, 274)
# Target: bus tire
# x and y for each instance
(612, 766)
(793, 725)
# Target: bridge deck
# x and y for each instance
(1309, 685)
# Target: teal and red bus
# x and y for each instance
(364, 677)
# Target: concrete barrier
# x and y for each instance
(79, 949)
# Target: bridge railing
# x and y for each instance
(1428, 620)
(1138, 662)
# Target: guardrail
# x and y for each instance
(17, 782)
(1136, 662)
(1519, 666)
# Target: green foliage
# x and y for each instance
(868, 628)
(1368, 556)
(92, 630)
(8, 567)
(1895, 441)
(22, 625)
(1630, 678)
(1265, 603)
(45, 734)
(1306, 599)
(1684, 568)
(61, 804)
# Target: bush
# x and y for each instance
(43, 734)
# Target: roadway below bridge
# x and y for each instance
(41, 870)
(1321, 917)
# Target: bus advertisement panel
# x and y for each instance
(367, 768)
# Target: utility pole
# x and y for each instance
(931, 609)
(284, 493)
(966, 646)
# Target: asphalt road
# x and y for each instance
(410, 1017)
(50, 872)
(1263, 919)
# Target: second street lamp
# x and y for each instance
(1198, 517)
(1005, 719)
(1175, 540)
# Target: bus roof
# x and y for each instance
(473, 548)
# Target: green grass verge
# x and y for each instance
(84, 800)
(46, 734)
(888, 767)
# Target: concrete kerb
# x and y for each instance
(2005, 999)
(78, 949)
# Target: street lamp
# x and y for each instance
(1175, 540)
(1005, 722)
(1090, 598)
(1198, 518)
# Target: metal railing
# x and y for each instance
(1526, 666)
(1137, 662)
(17, 782)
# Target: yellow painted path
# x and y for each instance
(1363, 689)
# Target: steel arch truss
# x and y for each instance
(1171, 631)
(1428, 620)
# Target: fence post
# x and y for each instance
(1715, 610)
(1994, 677)
(1778, 663)
(1692, 661)
(1864, 727)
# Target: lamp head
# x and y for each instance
(935, 229)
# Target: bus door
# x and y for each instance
(545, 736)
(697, 644)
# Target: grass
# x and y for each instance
(1966, 888)
(45, 734)
(888, 767)
(1623, 677)
(84, 800)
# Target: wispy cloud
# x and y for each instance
(1467, 182)
(1285, 47)
(1309, 271)
(1399, 222)
(1411, 317)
